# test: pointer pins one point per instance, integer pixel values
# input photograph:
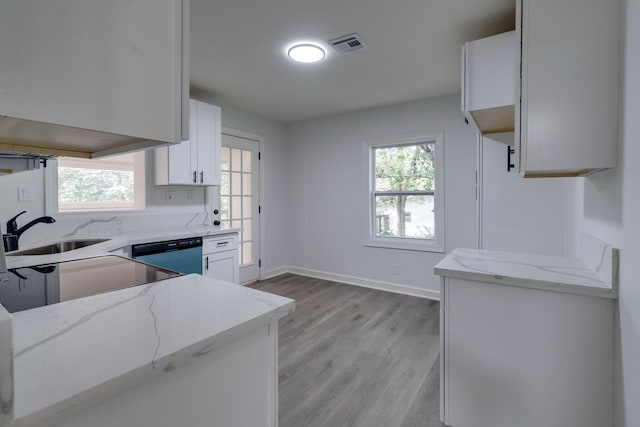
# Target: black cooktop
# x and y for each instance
(39, 285)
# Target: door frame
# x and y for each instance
(260, 140)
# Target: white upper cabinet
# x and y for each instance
(195, 161)
(567, 117)
(489, 72)
(92, 78)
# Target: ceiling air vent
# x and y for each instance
(348, 44)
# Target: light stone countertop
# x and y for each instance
(67, 354)
(75, 351)
(552, 273)
(117, 242)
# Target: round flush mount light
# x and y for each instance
(306, 53)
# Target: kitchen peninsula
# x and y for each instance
(189, 350)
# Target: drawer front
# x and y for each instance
(219, 243)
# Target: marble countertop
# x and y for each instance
(117, 242)
(553, 273)
(68, 353)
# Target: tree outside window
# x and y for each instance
(405, 200)
(113, 183)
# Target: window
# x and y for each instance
(89, 185)
(405, 198)
(236, 200)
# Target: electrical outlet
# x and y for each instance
(190, 195)
(396, 268)
(170, 196)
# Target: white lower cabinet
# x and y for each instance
(220, 258)
(514, 356)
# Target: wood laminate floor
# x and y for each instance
(352, 356)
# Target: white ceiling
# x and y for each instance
(238, 52)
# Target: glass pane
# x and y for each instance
(224, 223)
(405, 216)
(407, 167)
(246, 253)
(246, 161)
(246, 224)
(224, 208)
(80, 189)
(246, 207)
(236, 207)
(236, 159)
(246, 184)
(236, 183)
(225, 154)
(224, 185)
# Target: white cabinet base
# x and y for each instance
(234, 385)
(220, 258)
(524, 357)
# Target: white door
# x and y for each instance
(240, 199)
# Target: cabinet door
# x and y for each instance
(108, 66)
(222, 265)
(182, 164)
(208, 147)
(525, 357)
(490, 72)
(195, 161)
(569, 101)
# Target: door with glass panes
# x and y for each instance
(240, 199)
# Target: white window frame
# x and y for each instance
(51, 188)
(428, 245)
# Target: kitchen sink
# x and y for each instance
(56, 248)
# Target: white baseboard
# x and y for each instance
(274, 272)
(360, 281)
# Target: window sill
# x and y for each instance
(406, 244)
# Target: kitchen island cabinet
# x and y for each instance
(526, 340)
(184, 351)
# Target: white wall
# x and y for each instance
(611, 211)
(519, 215)
(326, 208)
(9, 197)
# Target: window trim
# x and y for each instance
(51, 191)
(370, 239)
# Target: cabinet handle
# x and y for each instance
(206, 263)
(194, 177)
(510, 165)
(201, 177)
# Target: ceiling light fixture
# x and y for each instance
(306, 53)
